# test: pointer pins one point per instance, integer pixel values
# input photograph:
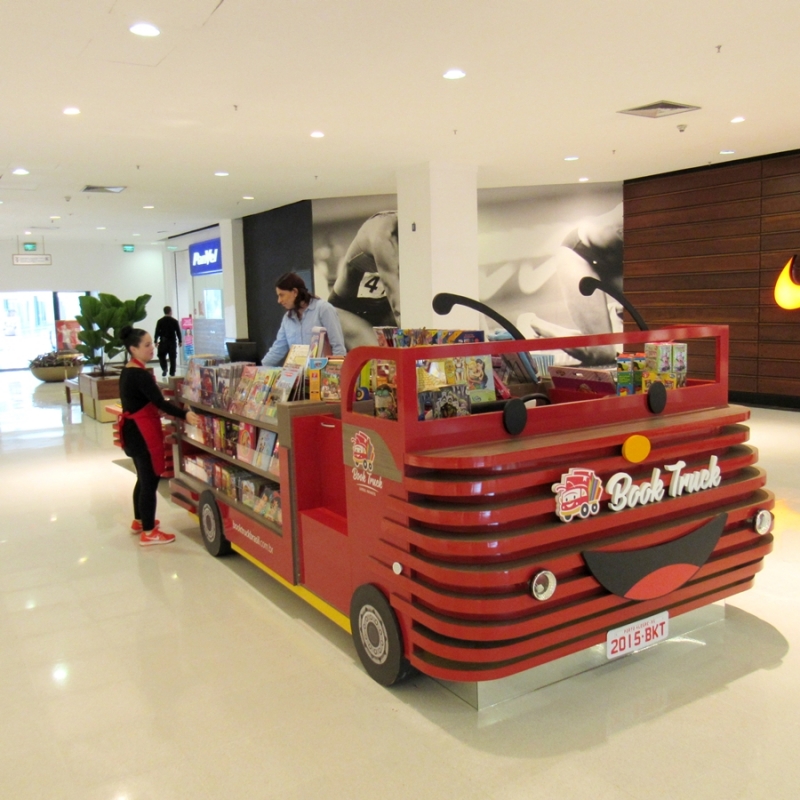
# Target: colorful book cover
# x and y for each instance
(264, 446)
(243, 389)
(452, 401)
(246, 445)
(480, 379)
(297, 355)
(260, 391)
(275, 460)
(330, 379)
(282, 389)
(262, 502)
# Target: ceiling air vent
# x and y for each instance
(112, 189)
(663, 108)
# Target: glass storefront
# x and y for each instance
(27, 324)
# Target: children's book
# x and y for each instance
(246, 446)
(275, 460)
(282, 389)
(239, 397)
(330, 379)
(297, 355)
(260, 391)
(480, 379)
(264, 448)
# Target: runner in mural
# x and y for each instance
(592, 249)
(366, 292)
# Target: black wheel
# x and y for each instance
(377, 636)
(211, 525)
(584, 512)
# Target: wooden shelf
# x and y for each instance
(201, 486)
(232, 460)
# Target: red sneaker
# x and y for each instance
(136, 525)
(155, 536)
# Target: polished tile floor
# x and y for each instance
(141, 674)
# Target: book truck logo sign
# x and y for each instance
(364, 460)
(579, 491)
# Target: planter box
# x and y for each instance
(99, 388)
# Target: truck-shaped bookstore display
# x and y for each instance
(475, 547)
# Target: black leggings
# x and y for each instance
(146, 489)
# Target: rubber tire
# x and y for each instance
(211, 526)
(370, 613)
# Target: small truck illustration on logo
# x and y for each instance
(578, 494)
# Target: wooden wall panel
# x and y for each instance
(707, 245)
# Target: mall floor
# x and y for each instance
(135, 673)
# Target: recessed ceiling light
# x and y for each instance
(317, 134)
(570, 158)
(148, 206)
(222, 174)
(144, 29)
(726, 152)
(136, 234)
(248, 197)
(71, 111)
(171, 247)
(101, 228)
(20, 171)
(737, 119)
(454, 74)
(582, 180)
(54, 217)
(27, 233)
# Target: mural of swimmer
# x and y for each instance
(535, 244)
(356, 263)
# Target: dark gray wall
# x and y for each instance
(275, 241)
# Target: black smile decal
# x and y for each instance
(655, 571)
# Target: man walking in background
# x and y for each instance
(167, 338)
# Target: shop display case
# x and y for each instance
(476, 547)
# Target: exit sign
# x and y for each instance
(127, 248)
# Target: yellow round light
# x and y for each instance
(636, 448)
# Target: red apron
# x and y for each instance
(148, 420)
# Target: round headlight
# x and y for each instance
(543, 585)
(763, 521)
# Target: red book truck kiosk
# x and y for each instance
(476, 547)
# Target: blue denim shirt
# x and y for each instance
(318, 313)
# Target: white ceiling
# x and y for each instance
(239, 85)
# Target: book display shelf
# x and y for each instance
(475, 546)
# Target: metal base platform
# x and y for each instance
(485, 694)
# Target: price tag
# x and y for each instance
(637, 635)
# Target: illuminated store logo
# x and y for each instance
(787, 287)
(205, 258)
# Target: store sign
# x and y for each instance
(205, 258)
(26, 260)
(579, 492)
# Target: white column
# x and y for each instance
(233, 278)
(438, 242)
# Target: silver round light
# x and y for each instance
(397, 568)
(763, 522)
(543, 585)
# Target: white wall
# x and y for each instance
(93, 267)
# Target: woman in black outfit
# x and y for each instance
(140, 432)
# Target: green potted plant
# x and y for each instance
(101, 319)
(52, 367)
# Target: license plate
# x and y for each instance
(637, 635)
